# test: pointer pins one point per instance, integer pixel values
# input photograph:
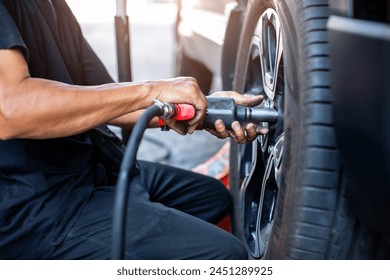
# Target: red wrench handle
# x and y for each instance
(184, 112)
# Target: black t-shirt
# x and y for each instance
(45, 183)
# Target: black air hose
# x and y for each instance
(121, 195)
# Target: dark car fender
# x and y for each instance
(230, 46)
(360, 63)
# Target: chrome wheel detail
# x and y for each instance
(261, 161)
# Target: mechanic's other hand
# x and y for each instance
(241, 134)
(240, 99)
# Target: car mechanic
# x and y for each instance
(56, 201)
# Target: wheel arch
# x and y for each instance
(231, 44)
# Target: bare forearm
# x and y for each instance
(38, 108)
(46, 109)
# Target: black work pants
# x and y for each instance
(170, 216)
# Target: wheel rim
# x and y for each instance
(268, 39)
(261, 161)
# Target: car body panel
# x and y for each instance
(360, 57)
(202, 28)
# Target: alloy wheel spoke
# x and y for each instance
(261, 161)
(270, 44)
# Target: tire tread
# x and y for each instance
(319, 222)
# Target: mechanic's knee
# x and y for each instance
(235, 251)
(225, 246)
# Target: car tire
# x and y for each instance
(293, 204)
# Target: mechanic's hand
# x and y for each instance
(183, 90)
(240, 134)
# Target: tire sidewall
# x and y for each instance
(291, 195)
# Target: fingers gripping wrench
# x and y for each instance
(219, 108)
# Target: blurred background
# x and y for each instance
(152, 37)
(152, 34)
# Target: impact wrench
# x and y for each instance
(221, 108)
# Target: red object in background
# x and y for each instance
(226, 222)
(218, 167)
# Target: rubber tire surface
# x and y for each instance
(314, 218)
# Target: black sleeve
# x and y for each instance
(94, 71)
(9, 34)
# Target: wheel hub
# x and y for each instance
(261, 161)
